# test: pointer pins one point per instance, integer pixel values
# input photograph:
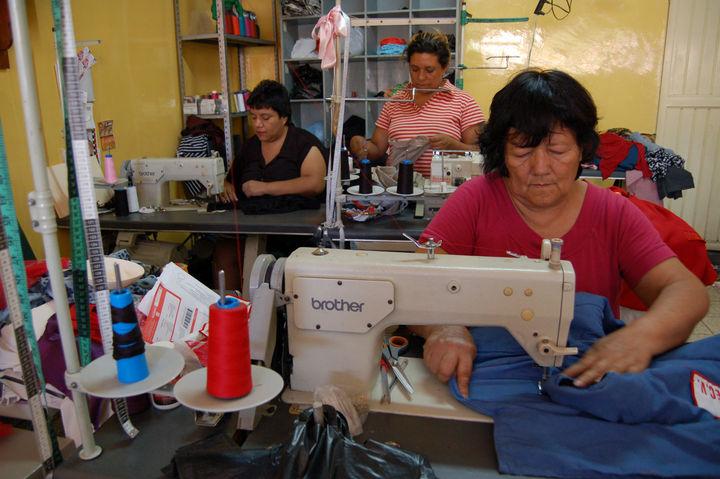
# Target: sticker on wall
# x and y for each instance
(107, 137)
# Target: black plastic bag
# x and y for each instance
(219, 457)
(312, 451)
(328, 451)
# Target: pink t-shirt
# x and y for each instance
(610, 240)
(448, 113)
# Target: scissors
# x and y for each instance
(390, 351)
(386, 389)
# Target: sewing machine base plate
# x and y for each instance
(431, 399)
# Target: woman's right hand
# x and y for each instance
(228, 193)
(358, 147)
(450, 350)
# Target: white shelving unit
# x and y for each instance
(221, 44)
(368, 73)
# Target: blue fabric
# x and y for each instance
(391, 49)
(627, 425)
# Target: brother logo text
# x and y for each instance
(337, 305)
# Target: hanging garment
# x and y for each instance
(334, 24)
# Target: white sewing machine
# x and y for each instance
(152, 176)
(453, 167)
(340, 303)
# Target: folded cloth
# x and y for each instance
(392, 40)
(390, 49)
(627, 425)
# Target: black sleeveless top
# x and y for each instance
(250, 164)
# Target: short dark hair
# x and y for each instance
(532, 103)
(273, 95)
(430, 42)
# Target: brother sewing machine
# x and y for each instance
(340, 302)
(152, 176)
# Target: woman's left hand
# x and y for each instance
(622, 351)
(442, 142)
(254, 188)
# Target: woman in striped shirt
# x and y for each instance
(450, 119)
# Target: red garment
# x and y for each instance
(680, 237)
(610, 240)
(613, 150)
(34, 270)
(94, 325)
(392, 41)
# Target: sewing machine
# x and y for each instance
(340, 302)
(455, 167)
(152, 176)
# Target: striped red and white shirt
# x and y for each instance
(448, 113)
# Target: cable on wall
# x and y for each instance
(564, 11)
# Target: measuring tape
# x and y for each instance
(222, 55)
(79, 269)
(12, 271)
(77, 239)
(86, 196)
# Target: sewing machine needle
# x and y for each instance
(545, 375)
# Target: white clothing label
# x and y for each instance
(706, 394)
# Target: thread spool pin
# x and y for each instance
(221, 285)
(118, 278)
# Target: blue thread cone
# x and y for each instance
(134, 368)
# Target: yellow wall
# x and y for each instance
(135, 81)
(613, 47)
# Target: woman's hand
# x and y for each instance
(254, 188)
(443, 142)
(623, 351)
(228, 193)
(451, 350)
(358, 147)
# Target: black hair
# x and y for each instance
(273, 95)
(430, 42)
(533, 103)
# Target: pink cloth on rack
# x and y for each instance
(334, 24)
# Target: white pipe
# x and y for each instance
(43, 214)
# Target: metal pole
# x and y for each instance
(43, 215)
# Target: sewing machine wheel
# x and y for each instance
(260, 272)
(277, 276)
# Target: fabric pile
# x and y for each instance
(391, 46)
(625, 151)
(627, 425)
(366, 210)
(297, 8)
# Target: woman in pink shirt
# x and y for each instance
(541, 128)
